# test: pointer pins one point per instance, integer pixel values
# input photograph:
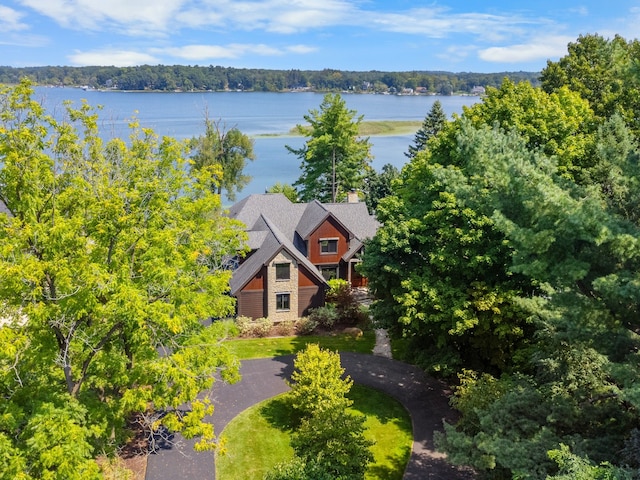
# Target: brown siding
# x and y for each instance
(309, 297)
(328, 229)
(257, 282)
(310, 292)
(306, 279)
(251, 304)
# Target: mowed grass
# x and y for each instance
(258, 438)
(246, 348)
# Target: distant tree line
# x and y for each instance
(182, 77)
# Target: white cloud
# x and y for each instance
(551, 47)
(302, 49)
(167, 17)
(10, 20)
(117, 58)
(133, 17)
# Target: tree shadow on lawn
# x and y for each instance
(369, 405)
(394, 470)
(278, 412)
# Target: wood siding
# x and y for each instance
(330, 229)
(308, 298)
(251, 304)
(257, 282)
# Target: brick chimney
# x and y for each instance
(352, 196)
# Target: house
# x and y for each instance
(295, 248)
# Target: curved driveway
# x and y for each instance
(424, 398)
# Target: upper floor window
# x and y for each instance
(329, 245)
(283, 271)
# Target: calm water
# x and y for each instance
(181, 115)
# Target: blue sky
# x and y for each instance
(457, 36)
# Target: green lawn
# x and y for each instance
(246, 348)
(258, 438)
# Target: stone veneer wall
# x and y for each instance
(282, 286)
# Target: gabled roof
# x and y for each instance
(274, 241)
(313, 216)
(356, 217)
(275, 206)
(275, 223)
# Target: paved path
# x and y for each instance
(422, 396)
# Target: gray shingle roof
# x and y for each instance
(274, 241)
(273, 223)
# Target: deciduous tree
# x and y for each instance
(111, 255)
(226, 152)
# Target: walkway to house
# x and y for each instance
(423, 397)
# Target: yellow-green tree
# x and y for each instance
(111, 255)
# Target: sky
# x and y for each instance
(402, 35)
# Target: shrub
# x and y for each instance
(305, 326)
(244, 324)
(326, 316)
(284, 328)
(334, 440)
(260, 327)
(340, 296)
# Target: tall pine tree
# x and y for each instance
(432, 124)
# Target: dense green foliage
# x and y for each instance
(225, 154)
(329, 441)
(111, 254)
(334, 158)
(510, 256)
(183, 77)
(378, 185)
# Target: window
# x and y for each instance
(283, 271)
(329, 245)
(329, 272)
(283, 301)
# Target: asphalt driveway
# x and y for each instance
(423, 397)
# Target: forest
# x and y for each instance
(218, 78)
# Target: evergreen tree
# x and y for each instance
(334, 158)
(432, 124)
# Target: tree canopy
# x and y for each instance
(225, 152)
(111, 255)
(334, 158)
(509, 258)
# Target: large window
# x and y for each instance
(283, 301)
(283, 271)
(329, 245)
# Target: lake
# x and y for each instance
(181, 115)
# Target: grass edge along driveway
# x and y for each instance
(258, 438)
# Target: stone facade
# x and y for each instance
(286, 287)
